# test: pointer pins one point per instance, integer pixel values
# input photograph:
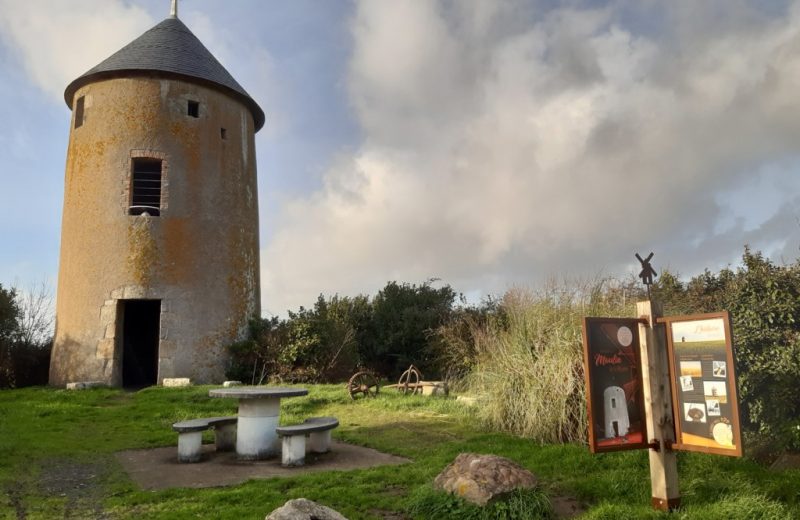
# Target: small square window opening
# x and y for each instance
(79, 112)
(223, 133)
(193, 109)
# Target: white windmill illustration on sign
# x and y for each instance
(617, 422)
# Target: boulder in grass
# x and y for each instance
(229, 384)
(304, 509)
(480, 478)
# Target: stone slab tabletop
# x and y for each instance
(257, 392)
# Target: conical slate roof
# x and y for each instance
(169, 48)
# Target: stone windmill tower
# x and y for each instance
(159, 265)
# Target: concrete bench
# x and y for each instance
(318, 429)
(190, 436)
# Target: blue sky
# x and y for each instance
(488, 144)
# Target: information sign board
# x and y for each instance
(703, 383)
(613, 384)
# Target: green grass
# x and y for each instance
(428, 503)
(42, 429)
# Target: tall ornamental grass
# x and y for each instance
(528, 358)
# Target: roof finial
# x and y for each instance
(173, 12)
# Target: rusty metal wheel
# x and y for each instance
(363, 382)
(409, 381)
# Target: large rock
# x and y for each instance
(304, 509)
(480, 478)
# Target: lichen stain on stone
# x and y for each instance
(179, 251)
(193, 163)
(241, 281)
(175, 129)
(142, 251)
(210, 355)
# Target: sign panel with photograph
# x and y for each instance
(613, 384)
(703, 383)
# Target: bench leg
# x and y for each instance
(293, 451)
(320, 442)
(189, 446)
(225, 437)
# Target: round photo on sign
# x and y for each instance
(624, 336)
(723, 433)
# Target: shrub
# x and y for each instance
(454, 345)
(764, 302)
(312, 345)
(321, 343)
(256, 358)
(404, 317)
(528, 359)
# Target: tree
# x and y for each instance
(764, 302)
(35, 318)
(404, 317)
(9, 332)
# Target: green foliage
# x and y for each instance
(523, 352)
(455, 348)
(9, 314)
(9, 329)
(312, 345)
(258, 356)
(524, 357)
(616, 511)
(322, 341)
(528, 504)
(24, 346)
(738, 507)
(329, 341)
(44, 429)
(404, 317)
(764, 302)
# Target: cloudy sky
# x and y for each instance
(488, 143)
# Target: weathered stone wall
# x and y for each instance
(200, 257)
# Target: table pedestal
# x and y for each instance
(256, 438)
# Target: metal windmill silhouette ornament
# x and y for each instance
(647, 273)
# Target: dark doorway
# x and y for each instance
(140, 327)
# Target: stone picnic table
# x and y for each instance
(259, 413)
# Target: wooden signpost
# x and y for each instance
(676, 377)
(658, 410)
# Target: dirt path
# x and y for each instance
(80, 484)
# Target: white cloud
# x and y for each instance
(503, 143)
(58, 41)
